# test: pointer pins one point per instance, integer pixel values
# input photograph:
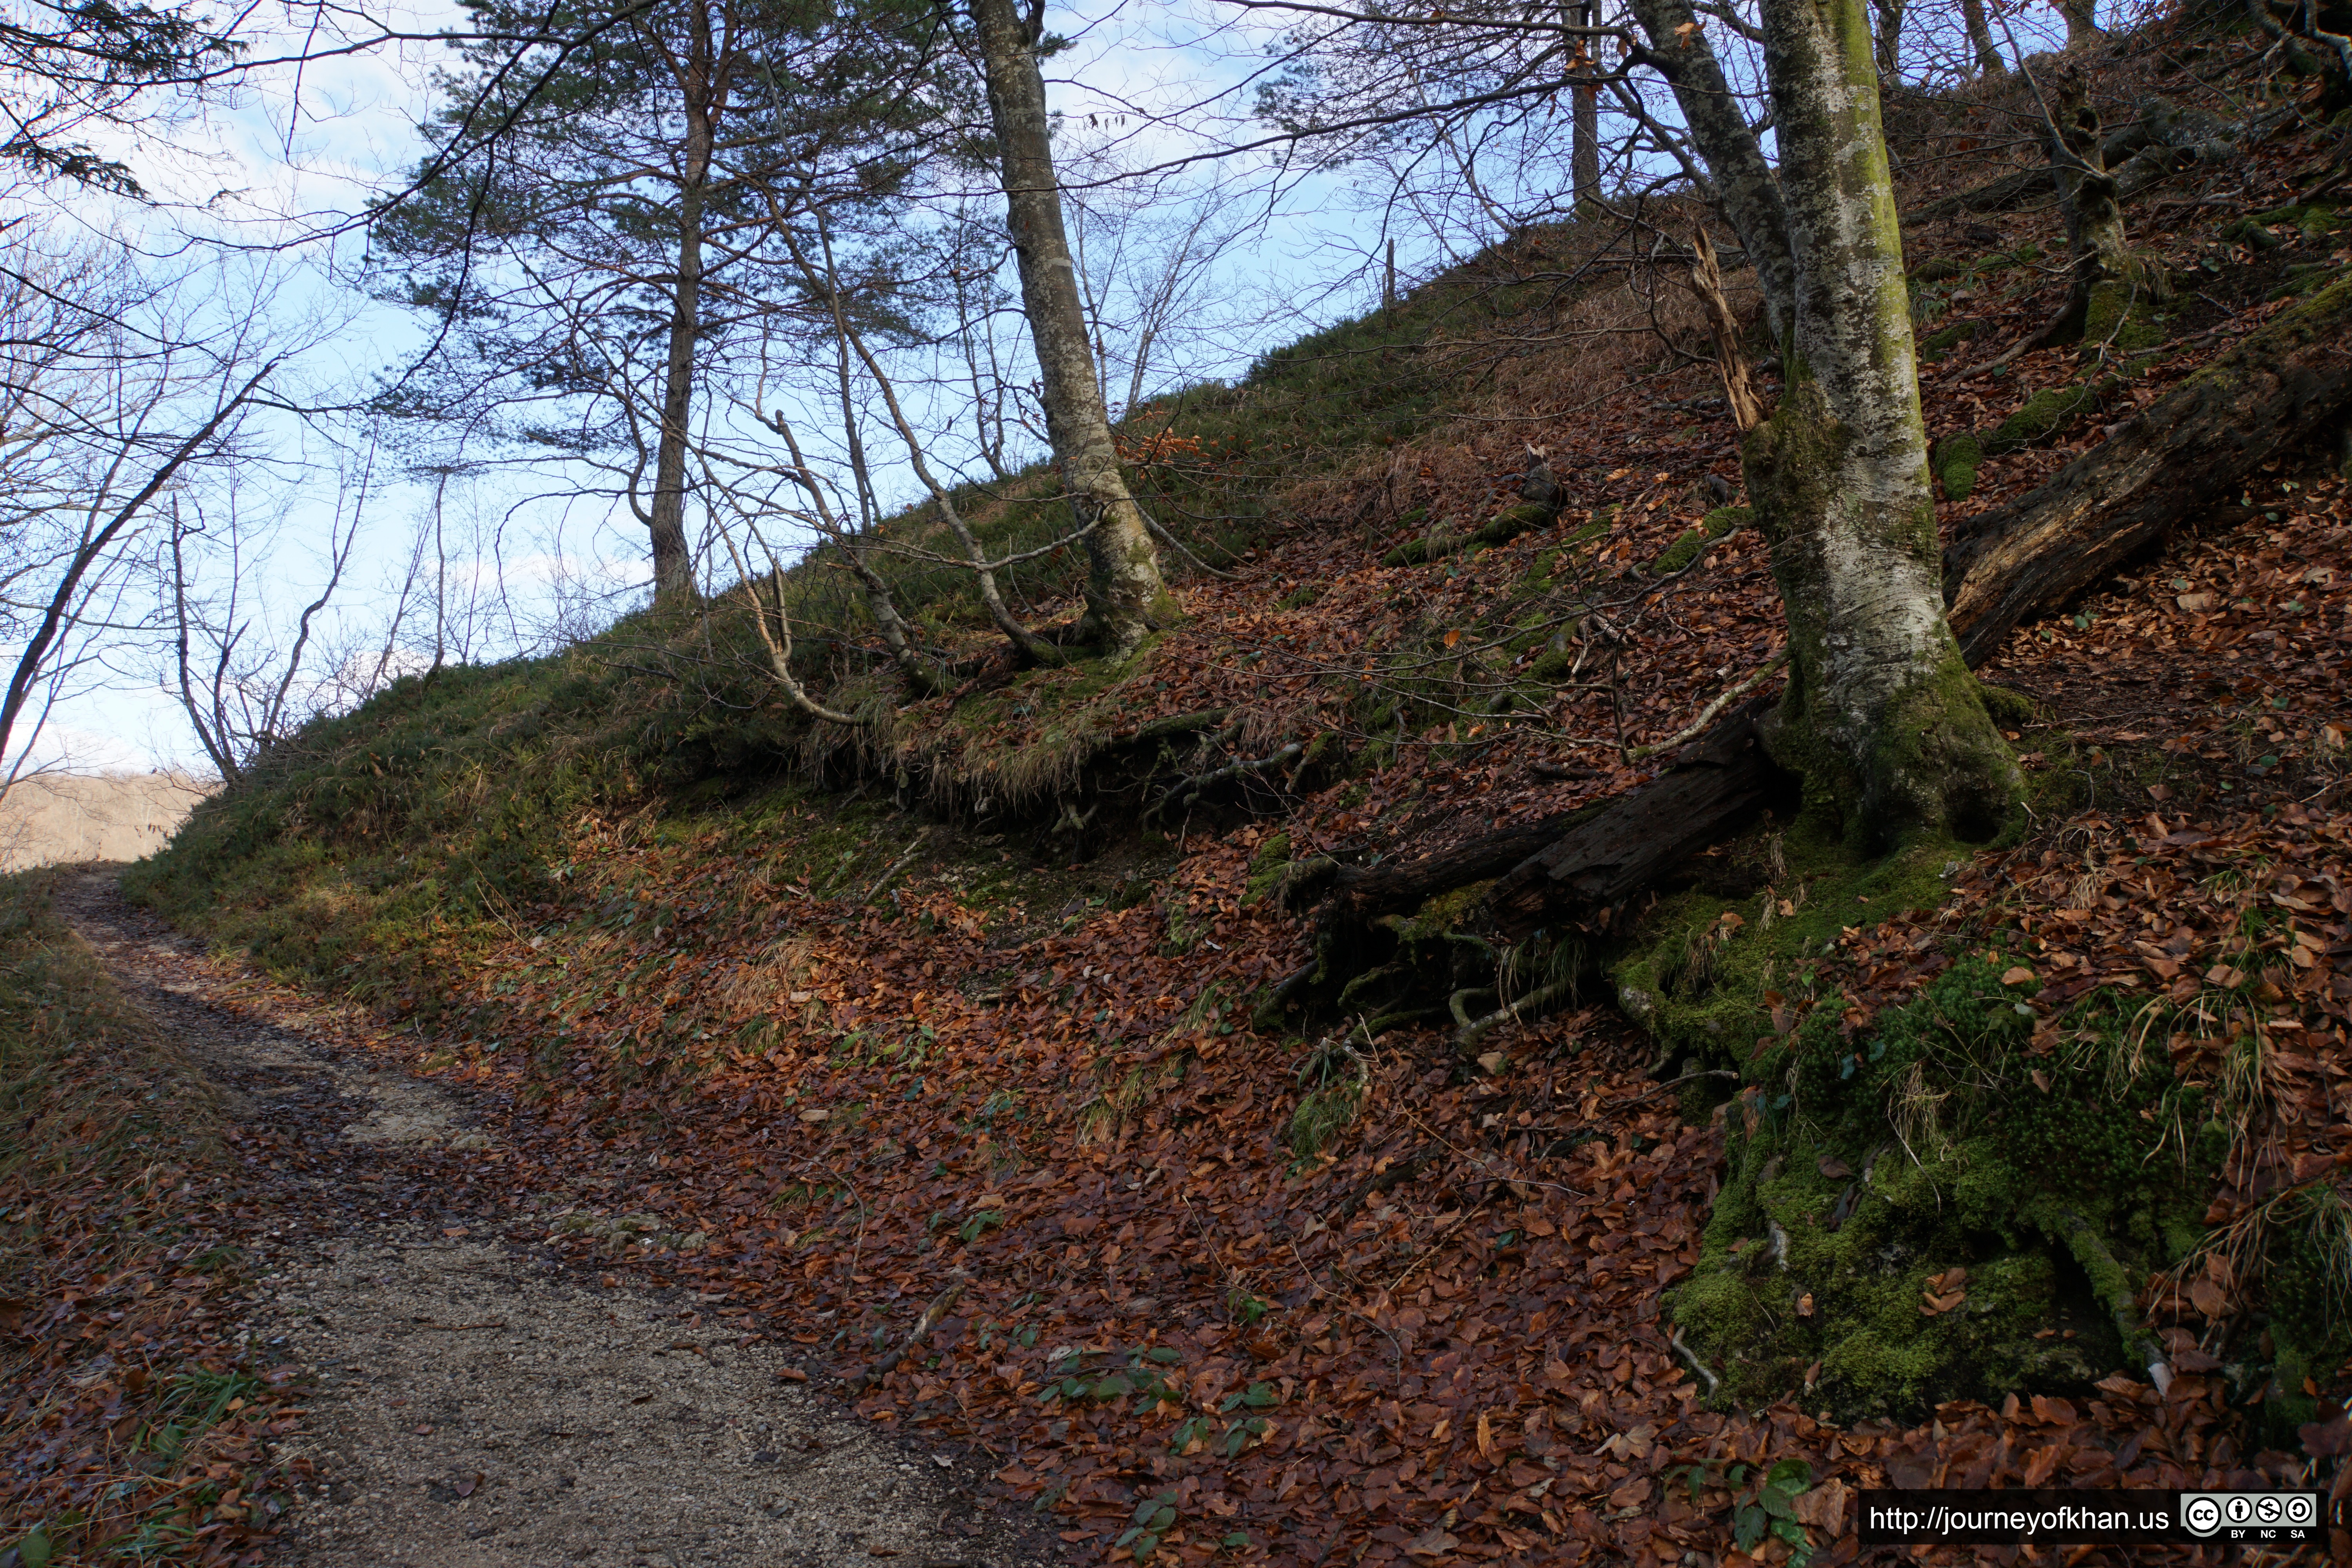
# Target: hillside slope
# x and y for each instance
(956, 1043)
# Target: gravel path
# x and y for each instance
(475, 1403)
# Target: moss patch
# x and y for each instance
(1956, 461)
(1940, 1207)
(1686, 546)
(2043, 416)
(1936, 346)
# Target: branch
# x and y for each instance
(1706, 715)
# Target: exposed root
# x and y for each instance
(1191, 788)
(1473, 1030)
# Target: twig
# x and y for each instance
(1698, 1366)
(1710, 1072)
(1200, 782)
(922, 1330)
(1181, 548)
(1690, 732)
(898, 866)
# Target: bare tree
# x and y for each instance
(1125, 594)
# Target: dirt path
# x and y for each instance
(475, 1403)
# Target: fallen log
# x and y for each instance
(2288, 382)
(1717, 783)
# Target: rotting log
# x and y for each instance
(2287, 384)
(1717, 783)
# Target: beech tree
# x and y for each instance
(1125, 594)
(1881, 717)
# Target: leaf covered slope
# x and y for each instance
(971, 1007)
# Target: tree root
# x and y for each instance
(1697, 1365)
(2109, 1283)
(1190, 788)
(1473, 1030)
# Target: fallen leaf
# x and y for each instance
(1822, 1507)
(2208, 1297)
(1434, 1542)
(2018, 975)
(1833, 1168)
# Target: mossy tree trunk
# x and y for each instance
(2289, 384)
(1881, 717)
(2111, 285)
(1123, 591)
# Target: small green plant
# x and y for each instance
(1770, 1509)
(1764, 1501)
(1144, 1375)
(1155, 1516)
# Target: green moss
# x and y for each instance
(2305, 279)
(1687, 546)
(1266, 868)
(1718, 1008)
(1514, 521)
(1298, 598)
(1442, 916)
(2044, 415)
(2119, 313)
(2310, 222)
(1934, 347)
(2008, 708)
(1862, 1169)
(1681, 552)
(1956, 461)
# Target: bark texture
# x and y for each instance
(1124, 590)
(1743, 180)
(2288, 384)
(1881, 717)
(1584, 153)
(2109, 282)
(1989, 56)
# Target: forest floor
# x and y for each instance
(803, 1074)
(471, 1399)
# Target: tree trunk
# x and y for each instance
(1584, 151)
(1989, 56)
(2082, 21)
(2288, 384)
(1123, 591)
(673, 560)
(1717, 782)
(1881, 718)
(1744, 183)
(1888, 44)
(2108, 279)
